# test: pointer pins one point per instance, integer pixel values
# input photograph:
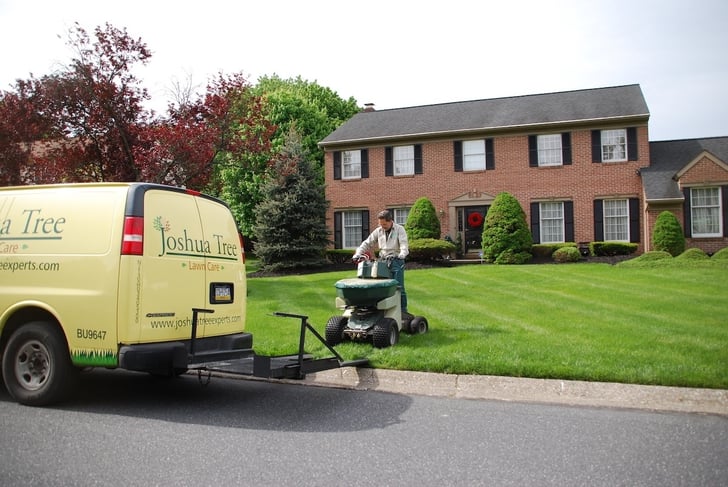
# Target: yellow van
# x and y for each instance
(131, 275)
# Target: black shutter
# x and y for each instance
(598, 221)
(418, 159)
(489, 155)
(364, 224)
(536, 223)
(337, 230)
(596, 145)
(566, 148)
(568, 221)
(634, 220)
(388, 162)
(457, 148)
(632, 153)
(688, 230)
(532, 151)
(364, 163)
(337, 165)
(724, 196)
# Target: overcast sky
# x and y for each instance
(399, 53)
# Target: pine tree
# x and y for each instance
(291, 220)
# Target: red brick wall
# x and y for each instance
(580, 182)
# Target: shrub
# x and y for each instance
(545, 251)
(429, 249)
(722, 254)
(567, 254)
(612, 248)
(422, 221)
(667, 234)
(653, 258)
(506, 236)
(511, 257)
(693, 254)
(339, 256)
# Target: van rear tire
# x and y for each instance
(37, 367)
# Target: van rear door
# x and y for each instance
(224, 271)
(171, 274)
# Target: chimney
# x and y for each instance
(369, 107)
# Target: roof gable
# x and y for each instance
(702, 156)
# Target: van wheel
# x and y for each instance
(37, 367)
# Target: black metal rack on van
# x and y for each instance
(247, 362)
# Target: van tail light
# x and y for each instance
(133, 240)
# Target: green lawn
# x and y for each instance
(660, 325)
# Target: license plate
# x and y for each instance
(221, 292)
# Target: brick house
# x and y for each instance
(579, 162)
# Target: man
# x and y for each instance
(391, 240)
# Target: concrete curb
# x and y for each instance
(547, 391)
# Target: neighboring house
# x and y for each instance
(579, 162)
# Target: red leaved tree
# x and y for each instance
(86, 122)
(224, 125)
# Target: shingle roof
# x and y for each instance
(599, 104)
(668, 157)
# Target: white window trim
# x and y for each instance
(607, 137)
(719, 214)
(605, 219)
(548, 144)
(397, 212)
(403, 160)
(474, 161)
(346, 232)
(543, 219)
(355, 156)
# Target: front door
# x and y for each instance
(470, 224)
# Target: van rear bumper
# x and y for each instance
(175, 356)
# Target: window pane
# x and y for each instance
(473, 155)
(404, 160)
(549, 150)
(351, 163)
(705, 212)
(552, 222)
(616, 220)
(400, 215)
(614, 145)
(352, 229)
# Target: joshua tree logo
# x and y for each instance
(161, 226)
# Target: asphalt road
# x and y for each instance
(133, 430)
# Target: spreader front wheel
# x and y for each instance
(385, 333)
(335, 330)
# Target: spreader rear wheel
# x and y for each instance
(419, 325)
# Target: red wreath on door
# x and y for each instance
(475, 219)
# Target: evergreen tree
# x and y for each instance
(422, 221)
(506, 236)
(291, 220)
(667, 234)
